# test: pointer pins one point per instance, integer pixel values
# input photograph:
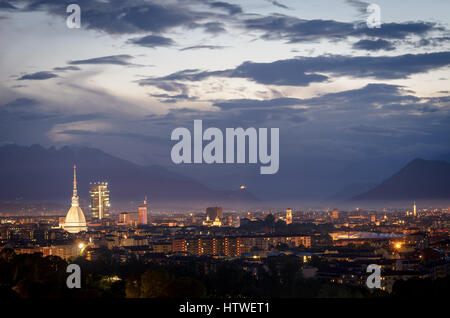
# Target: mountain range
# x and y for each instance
(36, 173)
(419, 180)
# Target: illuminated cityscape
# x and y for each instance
(222, 157)
(328, 246)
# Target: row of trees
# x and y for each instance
(36, 277)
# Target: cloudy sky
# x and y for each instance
(353, 104)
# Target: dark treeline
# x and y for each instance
(34, 276)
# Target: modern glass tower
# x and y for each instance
(100, 203)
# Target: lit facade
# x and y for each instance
(335, 214)
(143, 214)
(214, 212)
(289, 216)
(100, 202)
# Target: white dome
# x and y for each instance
(75, 221)
(75, 216)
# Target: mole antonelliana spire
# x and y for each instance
(75, 201)
(75, 221)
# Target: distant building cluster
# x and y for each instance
(235, 246)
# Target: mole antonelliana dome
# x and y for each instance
(75, 221)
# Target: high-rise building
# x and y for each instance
(415, 209)
(288, 216)
(75, 221)
(335, 214)
(143, 216)
(214, 212)
(100, 203)
(128, 218)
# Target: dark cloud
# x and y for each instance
(231, 8)
(294, 30)
(5, 5)
(214, 27)
(278, 4)
(191, 75)
(112, 59)
(361, 6)
(66, 68)
(371, 96)
(431, 41)
(383, 98)
(287, 72)
(374, 45)
(199, 47)
(152, 41)
(302, 71)
(22, 109)
(251, 103)
(124, 16)
(166, 98)
(397, 30)
(21, 102)
(38, 76)
(168, 86)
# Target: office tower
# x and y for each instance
(124, 218)
(214, 212)
(128, 218)
(415, 209)
(75, 221)
(288, 216)
(99, 200)
(335, 214)
(230, 220)
(142, 210)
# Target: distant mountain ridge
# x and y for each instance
(419, 180)
(37, 173)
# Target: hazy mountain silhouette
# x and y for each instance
(36, 173)
(419, 179)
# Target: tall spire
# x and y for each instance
(75, 201)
